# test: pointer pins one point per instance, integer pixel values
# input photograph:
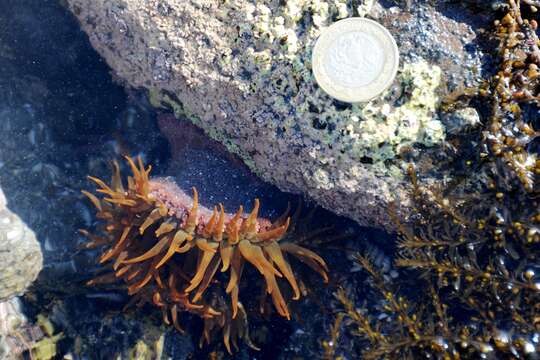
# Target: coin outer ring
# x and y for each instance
(361, 93)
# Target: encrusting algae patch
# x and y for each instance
(168, 250)
(280, 62)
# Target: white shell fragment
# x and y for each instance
(355, 60)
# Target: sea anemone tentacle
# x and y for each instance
(167, 248)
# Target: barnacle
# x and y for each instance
(169, 251)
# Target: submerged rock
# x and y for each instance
(11, 320)
(20, 254)
(21, 338)
(241, 70)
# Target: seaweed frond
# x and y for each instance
(469, 286)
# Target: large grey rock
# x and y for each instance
(241, 70)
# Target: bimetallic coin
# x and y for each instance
(355, 60)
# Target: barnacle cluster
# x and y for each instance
(472, 244)
(169, 251)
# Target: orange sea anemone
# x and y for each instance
(167, 249)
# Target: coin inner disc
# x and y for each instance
(354, 59)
